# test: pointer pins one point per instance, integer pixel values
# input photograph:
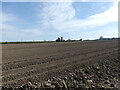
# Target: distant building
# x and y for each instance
(60, 39)
(101, 38)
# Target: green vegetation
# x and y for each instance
(26, 42)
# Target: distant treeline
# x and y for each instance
(26, 42)
(57, 40)
(61, 39)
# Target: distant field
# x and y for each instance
(39, 61)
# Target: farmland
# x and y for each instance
(38, 62)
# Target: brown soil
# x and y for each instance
(38, 62)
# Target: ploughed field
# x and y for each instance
(39, 62)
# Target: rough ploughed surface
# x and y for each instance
(86, 64)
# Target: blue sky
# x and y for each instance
(49, 20)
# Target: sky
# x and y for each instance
(24, 21)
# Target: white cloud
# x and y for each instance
(109, 15)
(57, 12)
(101, 19)
(61, 16)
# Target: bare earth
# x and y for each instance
(38, 62)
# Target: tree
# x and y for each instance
(80, 39)
(58, 40)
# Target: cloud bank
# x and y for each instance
(61, 17)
